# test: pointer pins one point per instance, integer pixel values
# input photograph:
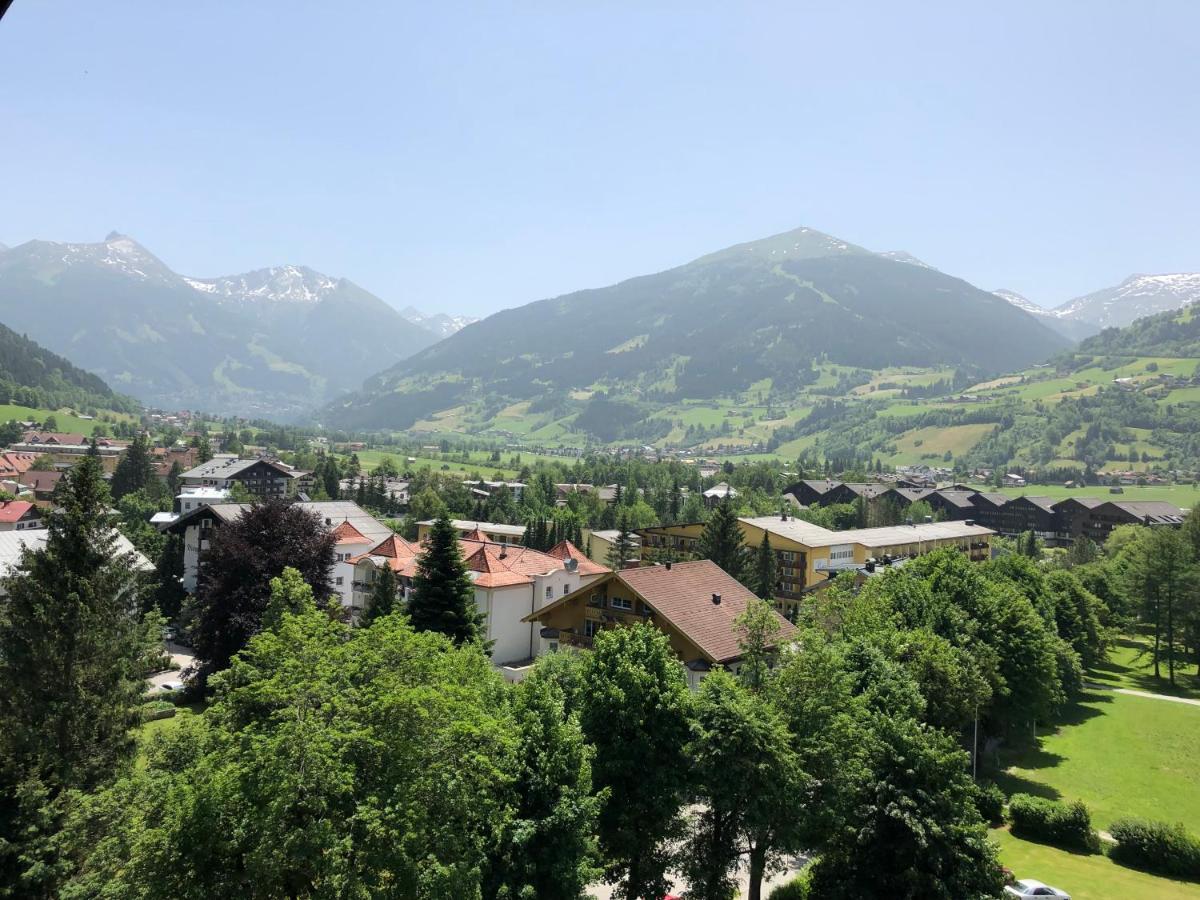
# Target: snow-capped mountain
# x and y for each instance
(905, 257)
(1075, 329)
(1133, 298)
(440, 324)
(1022, 302)
(274, 342)
(278, 284)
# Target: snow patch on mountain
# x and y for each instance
(905, 257)
(1134, 298)
(441, 324)
(277, 284)
(1020, 301)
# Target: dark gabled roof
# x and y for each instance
(1086, 502)
(961, 499)
(1045, 504)
(1155, 512)
(992, 497)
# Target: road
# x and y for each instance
(179, 654)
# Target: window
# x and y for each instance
(338, 582)
(590, 627)
(549, 591)
(621, 603)
(566, 589)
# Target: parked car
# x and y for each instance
(1027, 887)
(168, 633)
(171, 686)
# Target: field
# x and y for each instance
(1182, 495)
(1086, 877)
(930, 444)
(66, 421)
(1122, 756)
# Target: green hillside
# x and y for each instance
(33, 377)
(790, 317)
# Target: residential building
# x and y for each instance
(696, 604)
(13, 465)
(487, 488)
(952, 503)
(197, 526)
(718, 493)
(69, 454)
(491, 531)
(41, 483)
(14, 543)
(1022, 514)
(600, 542)
(260, 477)
(807, 555)
(1073, 513)
(53, 437)
(510, 583)
(1099, 521)
(811, 492)
(19, 515)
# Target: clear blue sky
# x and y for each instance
(468, 158)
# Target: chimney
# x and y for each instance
(668, 565)
(969, 522)
(716, 599)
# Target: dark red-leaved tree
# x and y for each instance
(236, 571)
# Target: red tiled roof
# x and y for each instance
(12, 510)
(37, 480)
(394, 547)
(566, 550)
(15, 463)
(683, 595)
(53, 437)
(475, 535)
(348, 534)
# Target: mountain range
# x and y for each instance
(762, 310)
(1134, 298)
(274, 342)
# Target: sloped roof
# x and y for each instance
(348, 534)
(683, 596)
(565, 550)
(12, 542)
(1086, 502)
(1156, 512)
(12, 510)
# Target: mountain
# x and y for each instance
(905, 257)
(766, 309)
(1133, 298)
(439, 324)
(30, 375)
(1174, 333)
(1071, 328)
(272, 342)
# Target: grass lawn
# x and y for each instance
(1121, 755)
(66, 422)
(1182, 495)
(1130, 664)
(162, 726)
(1086, 877)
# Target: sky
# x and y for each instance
(466, 158)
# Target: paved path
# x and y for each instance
(179, 654)
(1132, 693)
(604, 892)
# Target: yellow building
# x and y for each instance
(477, 531)
(807, 555)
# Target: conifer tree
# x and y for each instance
(74, 651)
(622, 548)
(764, 569)
(135, 471)
(384, 598)
(443, 597)
(721, 541)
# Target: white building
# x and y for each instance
(12, 543)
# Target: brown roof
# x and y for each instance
(37, 480)
(53, 437)
(348, 534)
(13, 462)
(566, 550)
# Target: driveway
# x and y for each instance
(604, 891)
(179, 654)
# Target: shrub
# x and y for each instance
(989, 800)
(1067, 825)
(796, 889)
(159, 709)
(1156, 847)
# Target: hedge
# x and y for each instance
(796, 889)
(989, 800)
(1067, 825)
(1156, 847)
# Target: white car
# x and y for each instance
(1027, 887)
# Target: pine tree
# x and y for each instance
(764, 569)
(384, 599)
(443, 597)
(135, 471)
(173, 477)
(721, 541)
(622, 548)
(74, 652)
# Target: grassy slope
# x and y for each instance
(1183, 495)
(66, 421)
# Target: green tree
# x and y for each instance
(758, 637)
(764, 569)
(173, 477)
(443, 595)
(635, 679)
(914, 831)
(749, 787)
(334, 762)
(721, 541)
(622, 549)
(548, 849)
(74, 653)
(1158, 568)
(385, 596)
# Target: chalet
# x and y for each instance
(260, 477)
(953, 504)
(1073, 513)
(718, 493)
(1103, 518)
(1012, 479)
(510, 583)
(696, 604)
(851, 492)
(904, 497)
(811, 492)
(19, 515)
(487, 488)
(42, 484)
(53, 437)
(1022, 514)
(988, 507)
